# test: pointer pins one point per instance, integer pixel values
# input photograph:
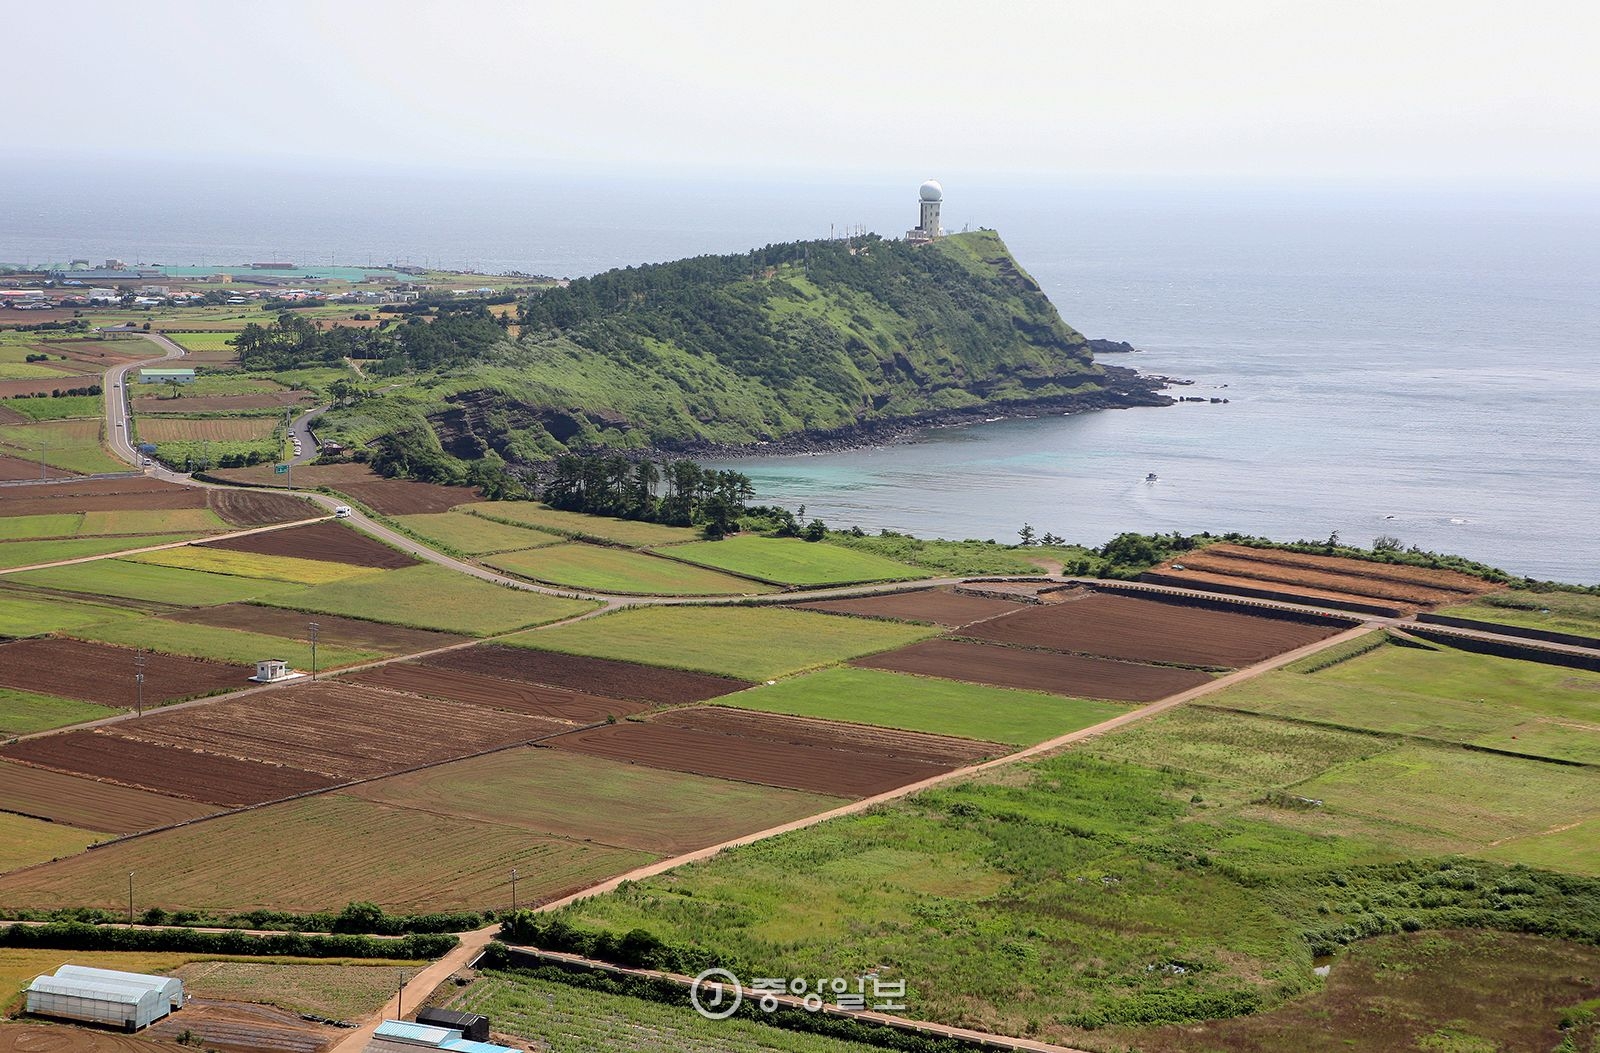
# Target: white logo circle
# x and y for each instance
(718, 981)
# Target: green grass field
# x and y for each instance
(473, 535)
(71, 445)
(24, 615)
(339, 991)
(24, 841)
(601, 569)
(214, 341)
(142, 521)
(256, 565)
(23, 528)
(31, 553)
(145, 581)
(24, 712)
(65, 407)
(224, 645)
(918, 703)
(33, 371)
(431, 597)
(790, 561)
(1561, 612)
(755, 643)
(576, 524)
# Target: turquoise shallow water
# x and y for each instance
(1409, 354)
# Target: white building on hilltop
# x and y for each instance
(928, 197)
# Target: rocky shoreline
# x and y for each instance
(1125, 388)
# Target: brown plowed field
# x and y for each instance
(390, 497)
(511, 695)
(1357, 579)
(602, 676)
(346, 632)
(219, 403)
(38, 386)
(18, 468)
(244, 1027)
(338, 729)
(59, 1038)
(1188, 578)
(90, 805)
(792, 752)
(1140, 629)
(101, 673)
(250, 508)
(1061, 674)
(99, 495)
(329, 540)
(226, 781)
(213, 429)
(939, 606)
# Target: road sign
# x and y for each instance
(280, 469)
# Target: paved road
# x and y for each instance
(300, 428)
(115, 383)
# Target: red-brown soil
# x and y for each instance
(220, 780)
(329, 540)
(61, 1038)
(332, 629)
(338, 729)
(219, 403)
(793, 752)
(1141, 629)
(250, 508)
(19, 468)
(1382, 583)
(514, 696)
(939, 606)
(1061, 674)
(602, 676)
(39, 386)
(98, 495)
(390, 497)
(96, 672)
(83, 802)
(243, 1027)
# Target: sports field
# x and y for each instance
(753, 643)
(790, 561)
(614, 570)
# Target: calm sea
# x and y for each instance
(1399, 363)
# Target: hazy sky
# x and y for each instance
(1461, 90)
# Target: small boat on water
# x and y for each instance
(1150, 478)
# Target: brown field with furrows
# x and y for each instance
(328, 540)
(1061, 674)
(213, 429)
(252, 508)
(796, 753)
(339, 730)
(38, 386)
(511, 695)
(390, 497)
(101, 673)
(603, 676)
(332, 629)
(91, 805)
(19, 468)
(100, 353)
(221, 780)
(146, 404)
(939, 606)
(134, 493)
(1353, 578)
(11, 416)
(1146, 629)
(241, 1027)
(1257, 588)
(60, 1038)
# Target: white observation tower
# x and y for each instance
(929, 195)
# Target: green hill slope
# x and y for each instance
(812, 339)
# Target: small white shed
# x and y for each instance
(272, 670)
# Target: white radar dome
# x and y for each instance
(932, 191)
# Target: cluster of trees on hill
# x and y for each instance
(676, 492)
(455, 337)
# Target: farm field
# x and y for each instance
(580, 797)
(147, 405)
(246, 508)
(14, 554)
(89, 804)
(149, 521)
(431, 597)
(25, 712)
(1016, 667)
(338, 991)
(511, 695)
(791, 561)
(319, 854)
(613, 570)
(13, 467)
(626, 532)
(19, 965)
(71, 445)
(918, 703)
(473, 535)
(609, 677)
(755, 643)
(157, 584)
(74, 496)
(28, 528)
(389, 497)
(1144, 629)
(352, 633)
(944, 607)
(238, 648)
(25, 614)
(792, 752)
(291, 569)
(25, 841)
(1561, 612)
(560, 1018)
(94, 672)
(328, 540)
(213, 341)
(65, 407)
(208, 429)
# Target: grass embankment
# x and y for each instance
(1561, 612)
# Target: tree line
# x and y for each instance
(456, 336)
(675, 492)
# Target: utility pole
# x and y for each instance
(513, 889)
(130, 897)
(400, 997)
(314, 628)
(138, 682)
